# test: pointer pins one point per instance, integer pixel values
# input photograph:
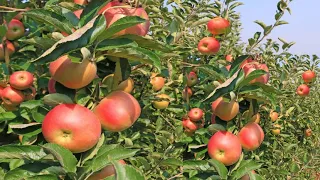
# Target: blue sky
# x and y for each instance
(303, 27)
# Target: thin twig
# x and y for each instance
(13, 9)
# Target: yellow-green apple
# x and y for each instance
(189, 125)
(308, 76)
(225, 110)
(157, 82)
(105, 172)
(250, 67)
(195, 114)
(192, 79)
(117, 111)
(15, 29)
(73, 75)
(12, 96)
(52, 86)
(10, 49)
(247, 177)
(78, 13)
(276, 129)
(81, 2)
(186, 92)
(251, 136)
(113, 14)
(218, 25)
(224, 147)
(303, 90)
(208, 46)
(213, 119)
(71, 126)
(161, 104)
(273, 116)
(255, 118)
(21, 80)
(126, 85)
(308, 132)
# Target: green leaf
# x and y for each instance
(281, 23)
(212, 71)
(7, 116)
(56, 99)
(172, 162)
(21, 152)
(31, 104)
(93, 151)
(221, 169)
(245, 167)
(195, 165)
(43, 43)
(64, 156)
(3, 31)
(253, 75)
(127, 172)
(116, 43)
(213, 128)
(30, 129)
(262, 24)
(236, 64)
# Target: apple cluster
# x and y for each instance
(308, 77)
(162, 100)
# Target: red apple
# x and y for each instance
(308, 132)
(225, 110)
(250, 67)
(15, 29)
(81, 2)
(273, 116)
(218, 25)
(78, 13)
(21, 80)
(1, 89)
(12, 96)
(208, 46)
(10, 49)
(187, 92)
(251, 136)
(118, 111)
(229, 58)
(225, 147)
(308, 76)
(72, 126)
(52, 86)
(192, 79)
(157, 82)
(195, 114)
(303, 90)
(105, 172)
(189, 125)
(249, 60)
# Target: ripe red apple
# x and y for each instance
(308, 132)
(276, 129)
(72, 126)
(224, 147)
(195, 114)
(218, 25)
(189, 125)
(303, 90)
(21, 80)
(81, 2)
(157, 82)
(73, 75)
(251, 136)
(15, 30)
(274, 116)
(249, 60)
(225, 110)
(78, 13)
(229, 58)
(247, 177)
(192, 79)
(105, 172)
(52, 86)
(208, 46)
(249, 68)
(114, 14)
(186, 93)
(308, 76)
(118, 111)
(161, 104)
(12, 96)
(10, 49)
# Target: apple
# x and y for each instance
(218, 25)
(225, 110)
(189, 125)
(161, 104)
(114, 14)
(250, 67)
(117, 111)
(249, 60)
(78, 13)
(11, 96)
(276, 129)
(73, 75)
(195, 114)
(308, 132)
(213, 119)
(303, 90)
(157, 82)
(71, 126)
(52, 86)
(247, 177)
(208, 46)
(224, 147)
(105, 172)
(126, 85)
(15, 30)
(273, 116)
(255, 118)
(81, 2)
(251, 136)
(229, 58)
(308, 76)
(192, 79)
(187, 92)
(21, 80)
(10, 49)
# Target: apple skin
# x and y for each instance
(72, 126)
(256, 118)
(249, 60)
(229, 58)
(161, 104)
(81, 2)
(276, 129)
(15, 30)
(10, 49)
(308, 76)
(225, 110)
(126, 85)
(192, 79)
(73, 75)
(11, 96)
(224, 147)
(189, 125)
(274, 116)
(251, 136)
(112, 15)
(52, 86)
(249, 68)
(247, 177)
(78, 13)
(208, 46)
(157, 82)
(218, 25)
(308, 132)
(118, 111)
(186, 93)
(21, 80)
(195, 114)
(105, 172)
(303, 90)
